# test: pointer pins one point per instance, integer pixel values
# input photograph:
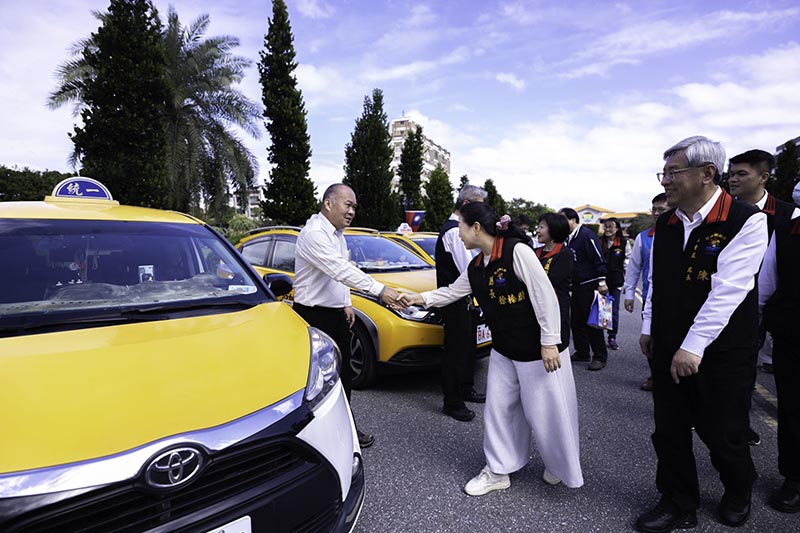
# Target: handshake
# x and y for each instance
(400, 298)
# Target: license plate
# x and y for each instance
(237, 526)
(484, 334)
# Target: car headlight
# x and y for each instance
(413, 312)
(324, 368)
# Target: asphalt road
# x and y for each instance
(421, 459)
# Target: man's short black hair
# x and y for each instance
(660, 198)
(523, 219)
(760, 159)
(570, 213)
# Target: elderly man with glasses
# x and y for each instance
(699, 327)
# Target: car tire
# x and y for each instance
(363, 362)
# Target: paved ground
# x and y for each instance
(422, 459)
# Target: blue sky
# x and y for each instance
(560, 103)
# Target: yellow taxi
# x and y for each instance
(422, 243)
(383, 338)
(150, 380)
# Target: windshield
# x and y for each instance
(72, 269)
(426, 243)
(372, 253)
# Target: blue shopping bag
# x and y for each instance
(600, 314)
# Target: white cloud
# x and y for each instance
(315, 9)
(632, 43)
(510, 79)
(421, 15)
(325, 85)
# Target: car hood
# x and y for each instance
(82, 394)
(415, 280)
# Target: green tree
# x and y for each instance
(123, 140)
(787, 171)
(464, 180)
(439, 201)
(410, 169)
(638, 224)
(205, 157)
(520, 206)
(493, 197)
(27, 185)
(366, 167)
(290, 194)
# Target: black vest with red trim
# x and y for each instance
(615, 260)
(557, 264)
(505, 303)
(446, 270)
(778, 212)
(682, 278)
(780, 311)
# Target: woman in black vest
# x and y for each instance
(616, 252)
(557, 261)
(528, 390)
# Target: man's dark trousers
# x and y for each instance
(582, 335)
(332, 321)
(715, 401)
(786, 363)
(458, 363)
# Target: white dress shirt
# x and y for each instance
(455, 246)
(323, 272)
(737, 266)
(634, 269)
(528, 269)
(768, 277)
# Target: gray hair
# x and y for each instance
(471, 193)
(700, 150)
(331, 191)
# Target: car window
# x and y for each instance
(283, 255)
(79, 266)
(256, 252)
(428, 244)
(374, 253)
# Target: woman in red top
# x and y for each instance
(557, 260)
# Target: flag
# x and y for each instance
(414, 219)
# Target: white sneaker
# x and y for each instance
(486, 482)
(550, 479)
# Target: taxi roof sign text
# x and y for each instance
(81, 187)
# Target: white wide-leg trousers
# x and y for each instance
(522, 398)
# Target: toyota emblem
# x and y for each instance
(173, 468)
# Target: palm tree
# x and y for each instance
(207, 158)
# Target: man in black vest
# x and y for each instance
(588, 275)
(779, 297)
(700, 326)
(458, 363)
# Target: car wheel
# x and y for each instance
(363, 365)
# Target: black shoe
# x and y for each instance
(787, 498)
(753, 439)
(733, 514)
(459, 413)
(597, 364)
(580, 358)
(474, 396)
(365, 440)
(664, 517)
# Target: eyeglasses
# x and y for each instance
(671, 173)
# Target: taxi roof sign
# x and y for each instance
(81, 187)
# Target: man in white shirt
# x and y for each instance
(699, 327)
(324, 277)
(458, 360)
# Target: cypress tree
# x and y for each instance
(410, 169)
(123, 141)
(787, 170)
(493, 197)
(367, 159)
(439, 202)
(290, 194)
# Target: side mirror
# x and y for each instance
(279, 284)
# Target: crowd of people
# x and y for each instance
(702, 326)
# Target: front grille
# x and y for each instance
(128, 507)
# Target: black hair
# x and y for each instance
(615, 220)
(765, 161)
(331, 190)
(557, 226)
(660, 198)
(521, 219)
(488, 218)
(570, 213)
